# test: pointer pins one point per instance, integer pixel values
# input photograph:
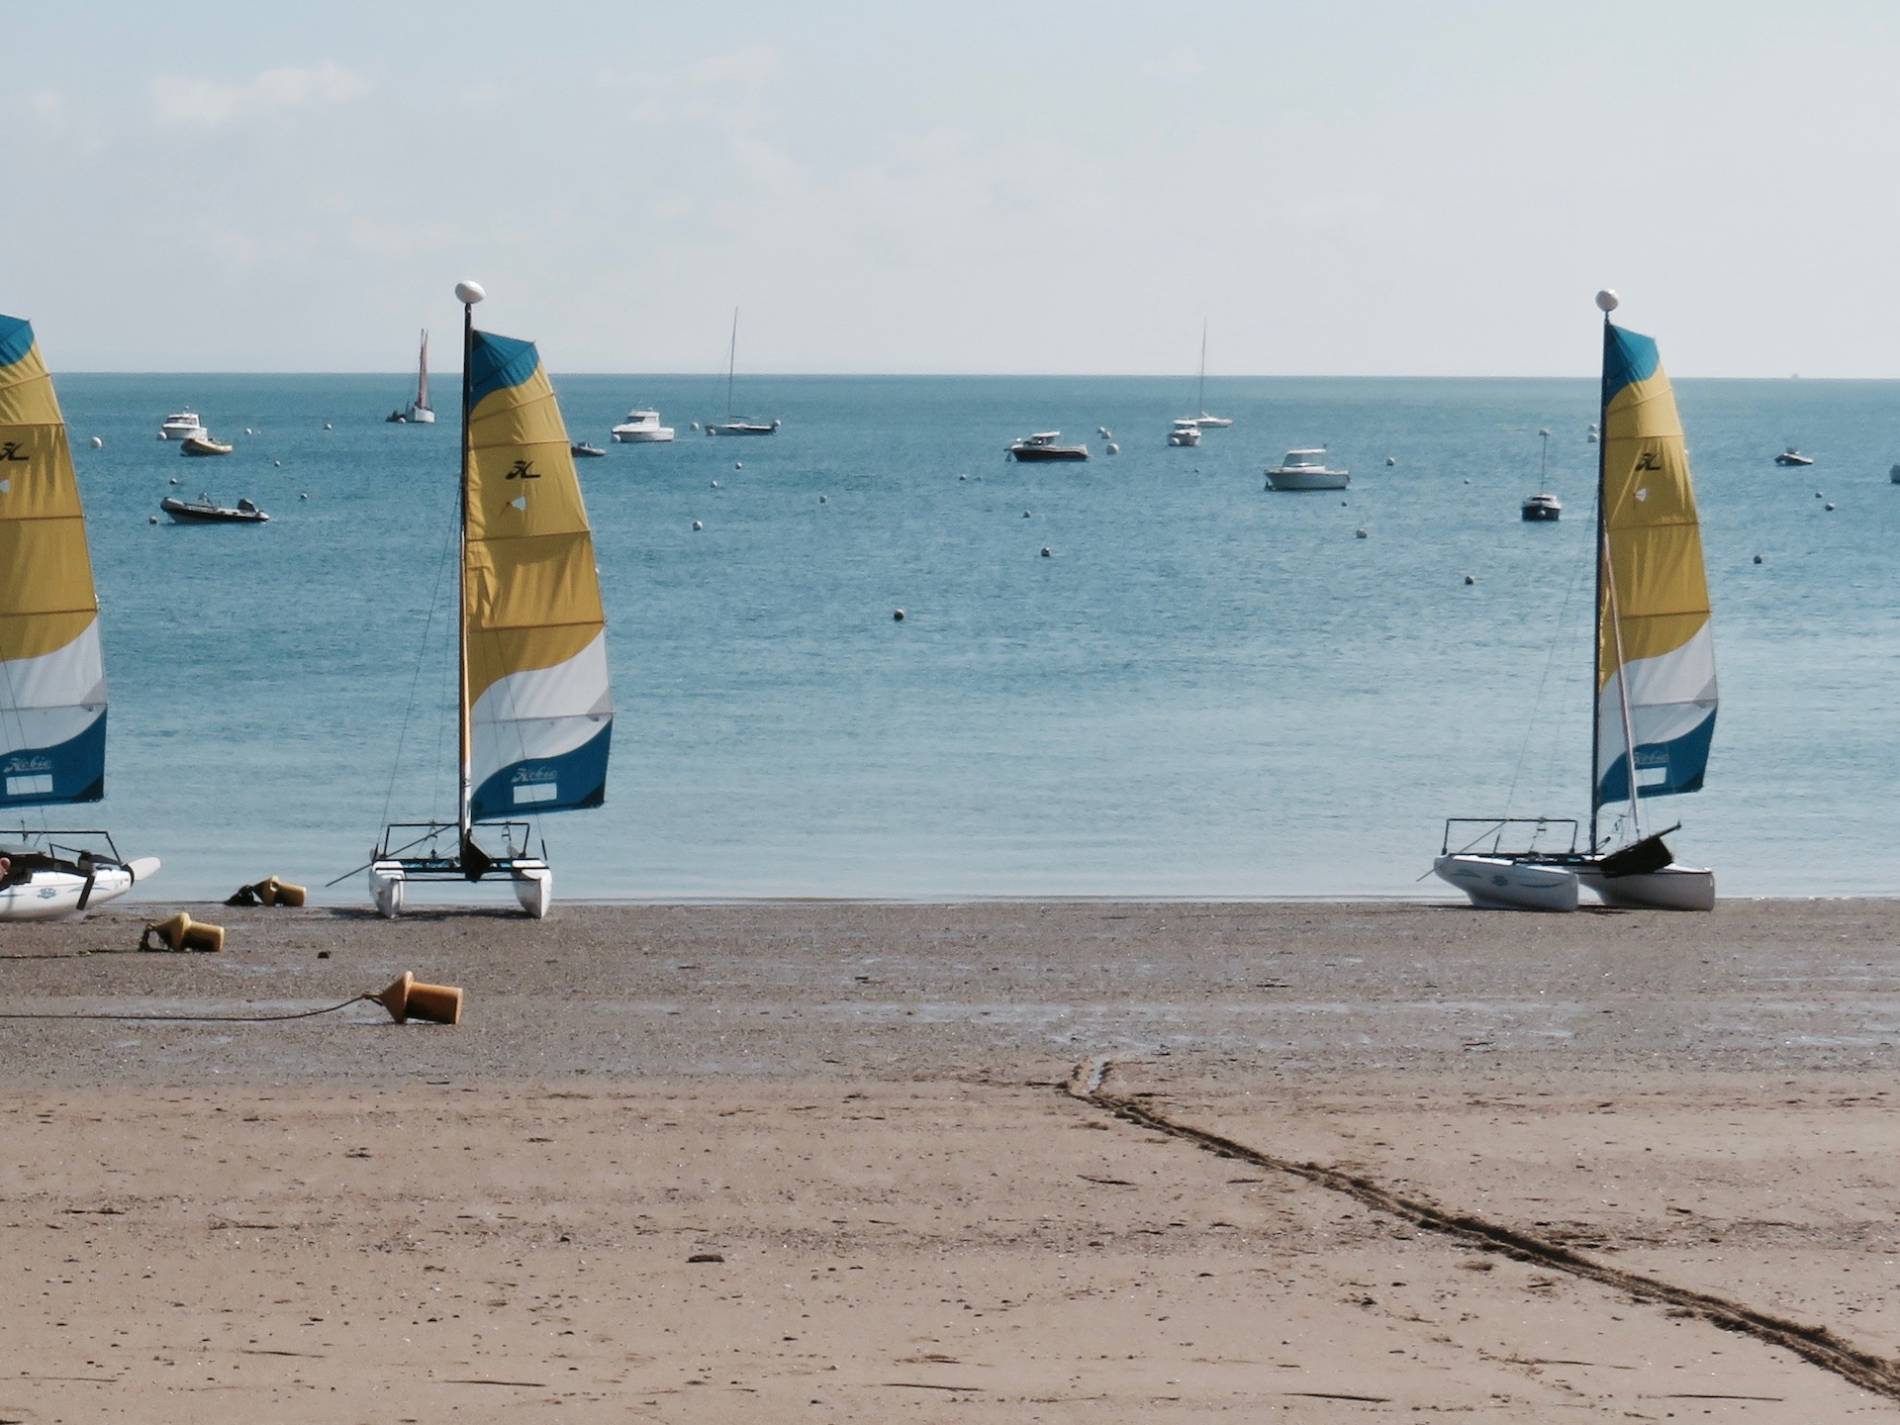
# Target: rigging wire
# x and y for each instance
(1550, 658)
(435, 594)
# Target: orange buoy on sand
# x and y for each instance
(181, 932)
(408, 998)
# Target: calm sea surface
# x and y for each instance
(1206, 690)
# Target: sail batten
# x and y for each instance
(1655, 650)
(52, 673)
(540, 713)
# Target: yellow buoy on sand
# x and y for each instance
(181, 932)
(408, 998)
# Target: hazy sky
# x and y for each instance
(1425, 187)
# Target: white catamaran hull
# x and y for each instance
(419, 415)
(1674, 887)
(1502, 883)
(533, 883)
(51, 895)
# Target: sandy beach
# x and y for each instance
(1064, 1161)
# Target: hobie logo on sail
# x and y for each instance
(11, 451)
(22, 765)
(523, 470)
(535, 782)
(1649, 461)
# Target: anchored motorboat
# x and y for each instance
(204, 510)
(181, 425)
(1043, 446)
(1306, 470)
(1542, 508)
(580, 449)
(1185, 433)
(642, 428)
(1791, 456)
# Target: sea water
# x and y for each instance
(1204, 688)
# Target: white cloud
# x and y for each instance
(206, 102)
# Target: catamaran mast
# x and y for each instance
(470, 293)
(1606, 302)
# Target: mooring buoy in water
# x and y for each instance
(698, 525)
(1471, 578)
(1758, 559)
(897, 615)
(715, 484)
(1359, 533)
(1114, 449)
(98, 444)
(824, 499)
(1046, 551)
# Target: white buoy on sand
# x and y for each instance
(98, 444)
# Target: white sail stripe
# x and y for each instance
(1669, 696)
(72, 676)
(22, 728)
(540, 713)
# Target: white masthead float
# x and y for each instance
(1653, 671)
(534, 716)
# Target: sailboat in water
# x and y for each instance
(730, 426)
(419, 411)
(534, 715)
(1653, 714)
(1204, 421)
(52, 675)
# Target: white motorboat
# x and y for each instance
(1185, 433)
(1306, 470)
(642, 428)
(182, 425)
(1653, 699)
(1791, 456)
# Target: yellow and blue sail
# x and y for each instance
(1655, 649)
(540, 715)
(52, 676)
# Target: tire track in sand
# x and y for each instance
(1088, 1082)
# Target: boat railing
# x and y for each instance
(1485, 835)
(25, 836)
(398, 844)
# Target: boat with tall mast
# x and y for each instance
(1653, 687)
(534, 713)
(732, 425)
(1204, 421)
(419, 411)
(52, 672)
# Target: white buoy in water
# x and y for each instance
(715, 484)
(1046, 551)
(151, 519)
(698, 525)
(1819, 496)
(163, 436)
(1114, 449)
(1391, 460)
(249, 431)
(1829, 505)
(824, 499)
(963, 477)
(738, 465)
(173, 480)
(1359, 533)
(98, 444)
(1025, 514)
(277, 465)
(328, 426)
(1758, 559)
(1471, 578)
(695, 425)
(897, 615)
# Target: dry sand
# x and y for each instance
(1074, 1161)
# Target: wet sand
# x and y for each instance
(1056, 1161)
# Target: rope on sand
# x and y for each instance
(1814, 1344)
(195, 1018)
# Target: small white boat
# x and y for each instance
(204, 510)
(1185, 433)
(1306, 470)
(642, 428)
(1791, 456)
(1506, 883)
(581, 450)
(1044, 446)
(1542, 508)
(46, 880)
(182, 425)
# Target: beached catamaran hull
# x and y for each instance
(1655, 692)
(535, 713)
(52, 675)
